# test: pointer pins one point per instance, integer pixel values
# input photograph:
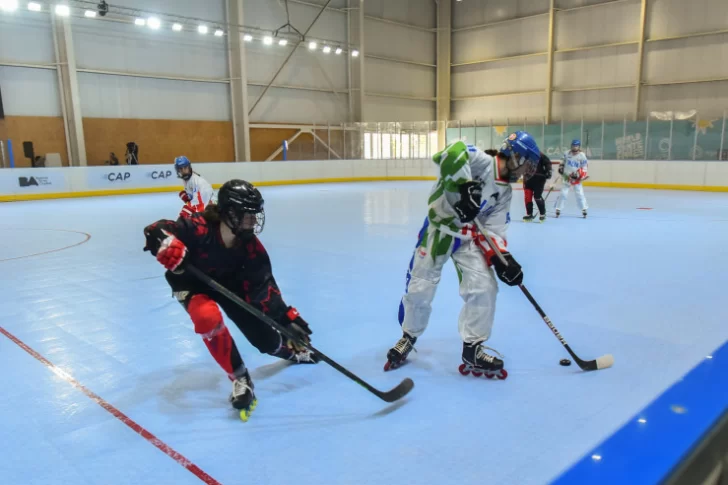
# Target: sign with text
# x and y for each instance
(130, 176)
(32, 180)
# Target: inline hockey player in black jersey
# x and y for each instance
(222, 242)
(533, 189)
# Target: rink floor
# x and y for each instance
(96, 356)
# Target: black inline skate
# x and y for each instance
(397, 354)
(243, 398)
(478, 362)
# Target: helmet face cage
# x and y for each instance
(180, 164)
(184, 175)
(259, 222)
(235, 219)
(519, 162)
(520, 165)
(241, 208)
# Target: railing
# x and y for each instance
(663, 136)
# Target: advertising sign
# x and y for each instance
(130, 176)
(32, 180)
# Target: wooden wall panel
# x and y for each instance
(46, 132)
(265, 141)
(160, 141)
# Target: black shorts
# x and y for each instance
(536, 184)
(261, 335)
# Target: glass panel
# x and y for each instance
(552, 142)
(535, 129)
(572, 131)
(453, 132)
(423, 145)
(632, 145)
(683, 137)
(483, 137)
(709, 131)
(658, 140)
(613, 133)
(591, 142)
(386, 145)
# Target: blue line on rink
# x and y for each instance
(656, 440)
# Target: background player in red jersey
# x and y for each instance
(223, 243)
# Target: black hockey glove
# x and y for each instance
(292, 321)
(561, 169)
(468, 206)
(512, 275)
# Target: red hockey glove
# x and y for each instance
(171, 253)
(186, 212)
(185, 196)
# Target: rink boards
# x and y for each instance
(47, 183)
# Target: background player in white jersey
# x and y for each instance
(573, 169)
(197, 192)
(472, 183)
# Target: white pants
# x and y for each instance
(580, 198)
(478, 286)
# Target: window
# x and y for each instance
(399, 145)
(386, 146)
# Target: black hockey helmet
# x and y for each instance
(235, 199)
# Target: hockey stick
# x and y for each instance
(393, 395)
(547, 195)
(601, 363)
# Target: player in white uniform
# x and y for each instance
(472, 183)
(197, 192)
(573, 169)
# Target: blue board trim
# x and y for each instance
(655, 441)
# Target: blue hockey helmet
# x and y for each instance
(521, 150)
(180, 165)
(576, 144)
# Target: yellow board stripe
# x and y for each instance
(628, 185)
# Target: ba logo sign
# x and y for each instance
(118, 176)
(27, 181)
(33, 181)
(160, 174)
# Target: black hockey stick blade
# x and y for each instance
(602, 362)
(398, 392)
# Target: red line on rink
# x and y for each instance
(88, 236)
(166, 449)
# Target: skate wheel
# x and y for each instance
(387, 366)
(245, 413)
(477, 374)
(502, 374)
(463, 370)
(489, 375)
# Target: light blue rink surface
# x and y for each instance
(645, 286)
